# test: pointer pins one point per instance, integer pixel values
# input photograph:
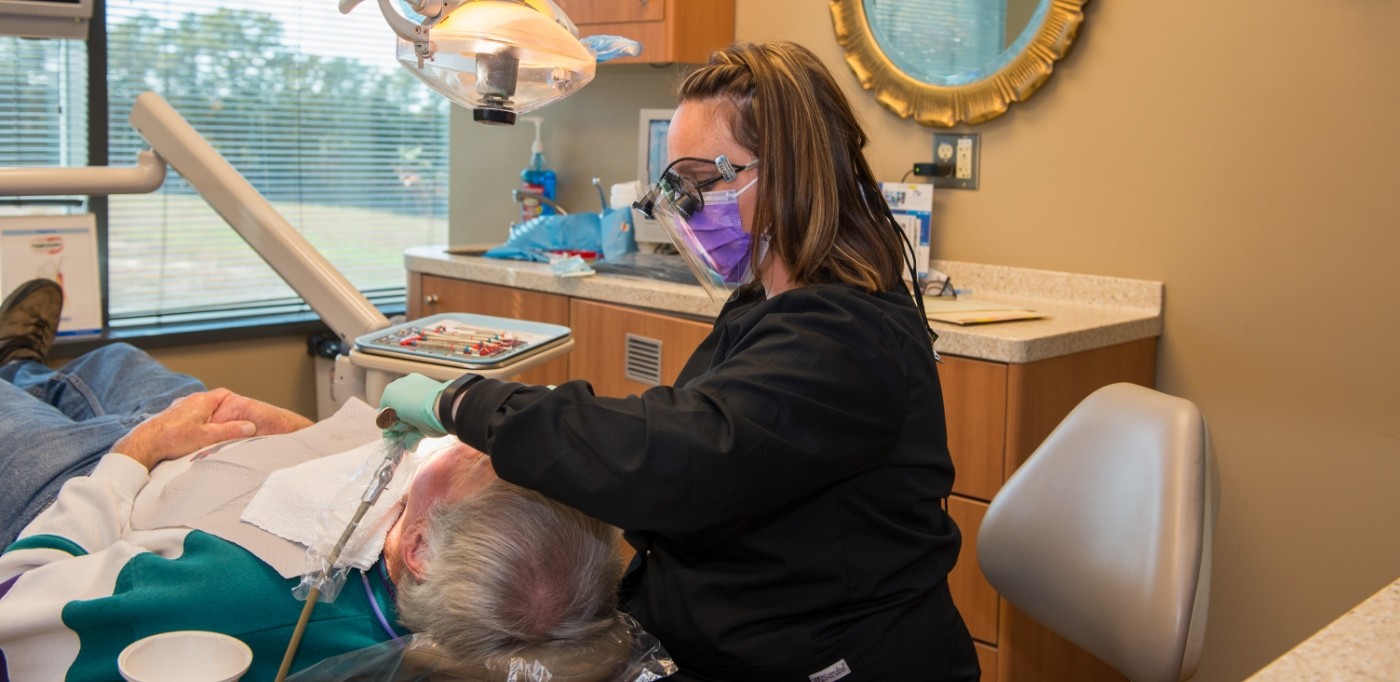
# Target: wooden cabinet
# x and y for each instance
(669, 30)
(605, 335)
(430, 295)
(998, 414)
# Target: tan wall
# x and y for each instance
(276, 369)
(1244, 154)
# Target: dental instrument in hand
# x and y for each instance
(379, 481)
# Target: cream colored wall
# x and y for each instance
(275, 369)
(1244, 154)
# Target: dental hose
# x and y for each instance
(386, 418)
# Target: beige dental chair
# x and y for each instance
(1104, 534)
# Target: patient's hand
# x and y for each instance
(184, 427)
(269, 419)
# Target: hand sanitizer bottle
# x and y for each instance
(536, 178)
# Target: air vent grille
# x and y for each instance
(644, 360)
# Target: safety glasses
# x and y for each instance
(687, 196)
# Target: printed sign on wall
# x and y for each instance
(912, 206)
(62, 248)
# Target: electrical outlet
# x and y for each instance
(963, 169)
(961, 150)
(944, 151)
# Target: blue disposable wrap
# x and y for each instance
(611, 47)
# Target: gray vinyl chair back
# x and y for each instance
(1104, 533)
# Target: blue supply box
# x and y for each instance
(463, 339)
(912, 206)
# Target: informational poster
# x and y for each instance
(62, 248)
(912, 206)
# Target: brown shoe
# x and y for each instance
(29, 319)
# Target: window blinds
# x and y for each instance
(311, 108)
(43, 103)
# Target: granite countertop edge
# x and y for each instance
(1081, 312)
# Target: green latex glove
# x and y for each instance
(414, 397)
(405, 434)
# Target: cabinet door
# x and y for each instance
(1039, 394)
(601, 346)
(430, 295)
(974, 400)
(669, 30)
(612, 11)
(972, 594)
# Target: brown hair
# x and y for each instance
(821, 206)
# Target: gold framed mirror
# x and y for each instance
(997, 52)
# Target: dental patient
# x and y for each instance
(480, 566)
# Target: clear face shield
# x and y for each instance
(705, 226)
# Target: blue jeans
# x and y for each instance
(56, 424)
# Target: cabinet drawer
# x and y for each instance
(972, 594)
(430, 295)
(987, 658)
(600, 345)
(974, 400)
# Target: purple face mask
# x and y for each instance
(719, 230)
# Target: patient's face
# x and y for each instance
(449, 475)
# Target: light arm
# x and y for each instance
(145, 176)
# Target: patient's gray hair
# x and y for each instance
(508, 568)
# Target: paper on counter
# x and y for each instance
(965, 311)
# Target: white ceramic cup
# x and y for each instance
(187, 656)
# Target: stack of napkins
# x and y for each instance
(967, 311)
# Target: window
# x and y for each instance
(43, 103)
(311, 108)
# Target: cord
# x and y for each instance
(910, 260)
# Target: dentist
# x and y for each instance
(787, 496)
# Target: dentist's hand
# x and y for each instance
(414, 398)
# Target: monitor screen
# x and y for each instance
(651, 144)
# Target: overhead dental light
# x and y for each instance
(499, 58)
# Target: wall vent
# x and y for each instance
(644, 360)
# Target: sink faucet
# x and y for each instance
(519, 196)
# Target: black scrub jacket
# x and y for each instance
(785, 496)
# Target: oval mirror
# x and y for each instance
(945, 62)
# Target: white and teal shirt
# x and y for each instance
(80, 584)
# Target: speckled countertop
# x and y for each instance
(1080, 312)
(1363, 644)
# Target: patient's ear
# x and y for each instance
(414, 544)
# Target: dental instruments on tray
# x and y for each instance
(453, 339)
(463, 340)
